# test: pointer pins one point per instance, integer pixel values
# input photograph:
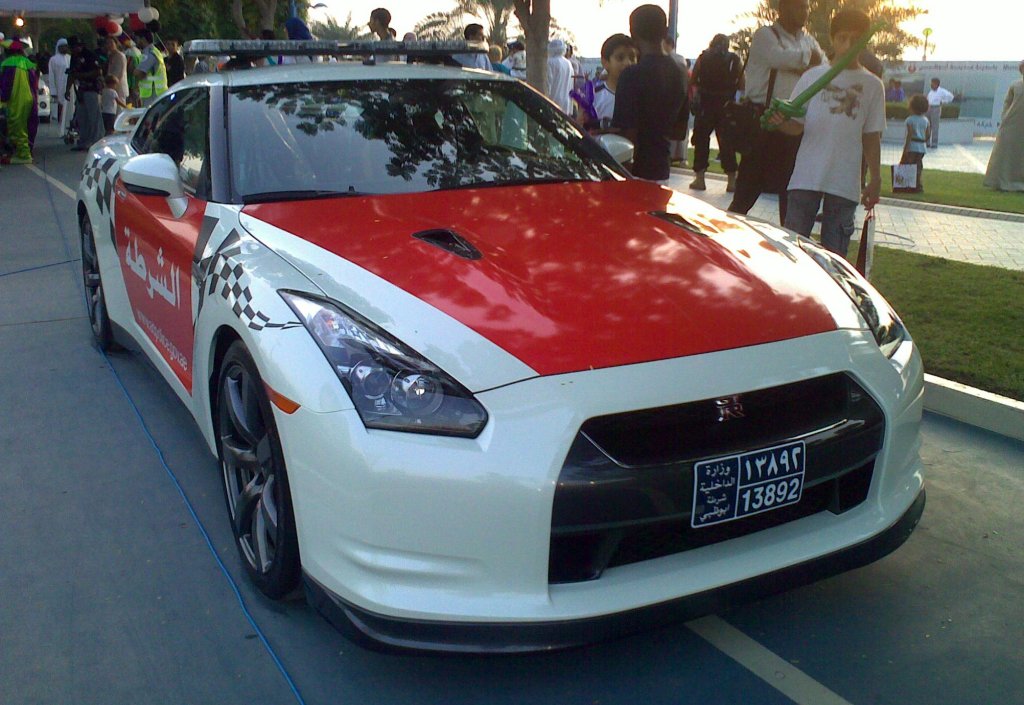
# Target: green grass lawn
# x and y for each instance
(951, 188)
(954, 188)
(967, 320)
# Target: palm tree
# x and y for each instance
(495, 14)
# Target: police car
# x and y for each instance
(43, 102)
(471, 385)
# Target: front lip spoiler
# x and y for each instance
(394, 634)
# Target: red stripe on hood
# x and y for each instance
(573, 276)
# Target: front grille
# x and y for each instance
(673, 433)
(625, 491)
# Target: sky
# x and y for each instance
(979, 30)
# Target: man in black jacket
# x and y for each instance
(174, 62)
(85, 72)
(718, 74)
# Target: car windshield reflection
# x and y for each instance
(402, 136)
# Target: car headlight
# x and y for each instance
(392, 387)
(877, 313)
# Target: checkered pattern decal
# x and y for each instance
(220, 272)
(97, 175)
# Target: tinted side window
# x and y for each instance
(182, 132)
(194, 165)
(148, 124)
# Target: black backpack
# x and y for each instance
(718, 72)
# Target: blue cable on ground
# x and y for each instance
(32, 269)
(170, 473)
(202, 530)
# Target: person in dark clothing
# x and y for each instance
(86, 72)
(650, 95)
(779, 55)
(717, 75)
(174, 62)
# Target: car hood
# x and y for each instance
(575, 276)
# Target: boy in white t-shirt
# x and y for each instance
(618, 52)
(110, 101)
(843, 125)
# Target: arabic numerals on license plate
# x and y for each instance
(770, 495)
(736, 486)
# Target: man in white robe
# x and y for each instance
(1006, 165)
(559, 76)
(57, 77)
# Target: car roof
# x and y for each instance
(340, 71)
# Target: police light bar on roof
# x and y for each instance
(328, 47)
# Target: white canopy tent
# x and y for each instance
(68, 8)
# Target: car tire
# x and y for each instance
(255, 482)
(95, 301)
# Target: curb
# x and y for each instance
(976, 407)
(952, 210)
(902, 203)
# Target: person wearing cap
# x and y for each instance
(134, 56)
(516, 60)
(151, 72)
(19, 86)
(57, 76)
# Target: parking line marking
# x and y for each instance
(772, 669)
(59, 185)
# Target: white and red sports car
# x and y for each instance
(474, 387)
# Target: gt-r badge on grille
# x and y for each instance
(729, 408)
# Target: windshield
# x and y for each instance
(297, 140)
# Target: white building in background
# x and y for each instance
(979, 86)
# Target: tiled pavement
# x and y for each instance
(966, 238)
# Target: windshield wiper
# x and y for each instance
(297, 195)
(518, 182)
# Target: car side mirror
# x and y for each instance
(152, 175)
(155, 175)
(618, 146)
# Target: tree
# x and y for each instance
(535, 18)
(446, 25)
(266, 10)
(889, 42)
(332, 29)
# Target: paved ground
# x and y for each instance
(971, 158)
(118, 575)
(978, 240)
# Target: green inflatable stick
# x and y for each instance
(796, 107)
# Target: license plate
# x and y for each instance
(736, 486)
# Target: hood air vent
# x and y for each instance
(449, 241)
(678, 220)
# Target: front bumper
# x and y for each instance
(401, 531)
(498, 637)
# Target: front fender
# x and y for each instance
(240, 283)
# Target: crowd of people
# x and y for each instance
(643, 90)
(89, 80)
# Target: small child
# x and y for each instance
(841, 130)
(918, 129)
(617, 52)
(110, 101)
